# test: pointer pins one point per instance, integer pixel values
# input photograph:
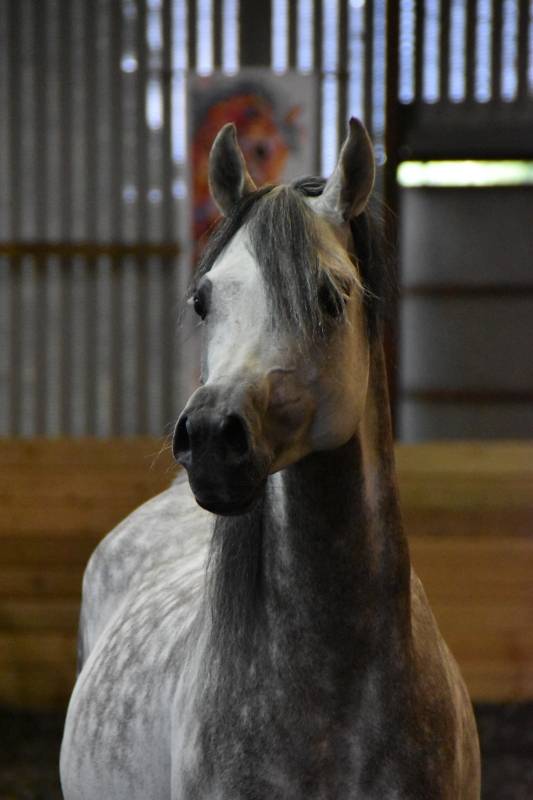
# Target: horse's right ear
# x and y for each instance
(347, 191)
(228, 177)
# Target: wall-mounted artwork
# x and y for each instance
(275, 120)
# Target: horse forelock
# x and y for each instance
(295, 259)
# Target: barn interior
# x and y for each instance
(105, 106)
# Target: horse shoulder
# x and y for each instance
(141, 594)
(169, 528)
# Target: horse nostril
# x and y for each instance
(234, 435)
(181, 444)
(200, 437)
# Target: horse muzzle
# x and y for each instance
(215, 447)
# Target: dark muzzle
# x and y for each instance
(215, 448)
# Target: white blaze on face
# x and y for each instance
(237, 331)
(307, 398)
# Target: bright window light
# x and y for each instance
(483, 69)
(305, 54)
(230, 37)
(431, 91)
(330, 24)
(204, 37)
(379, 63)
(129, 63)
(180, 59)
(330, 110)
(457, 78)
(280, 36)
(179, 83)
(356, 61)
(179, 118)
(510, 51)
(154, 31)
(406, 88)
(154, 104)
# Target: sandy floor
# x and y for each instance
(29, 747)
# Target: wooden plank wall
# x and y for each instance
(57, 499)
(468, 509)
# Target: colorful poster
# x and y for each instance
(275, 117)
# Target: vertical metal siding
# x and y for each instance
(467, 94)
(6, 333)
(93, 151)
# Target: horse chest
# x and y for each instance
(263, 739)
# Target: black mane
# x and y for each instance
(285, 244)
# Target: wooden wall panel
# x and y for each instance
(468, 510)
(481, 592)
(57, 500)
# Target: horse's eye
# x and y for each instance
(330, 300)
(199, 306)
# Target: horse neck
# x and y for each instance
(339, 550)
(322, 564)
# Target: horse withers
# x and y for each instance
(257, 631)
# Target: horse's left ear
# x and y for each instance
(347, 191)
(228, 177)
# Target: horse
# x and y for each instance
(256, 631)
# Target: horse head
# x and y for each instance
(286, 349)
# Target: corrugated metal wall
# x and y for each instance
(465, 79)
(466, 92)
(87, 335)
(93, 152)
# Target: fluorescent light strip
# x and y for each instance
(465, 173)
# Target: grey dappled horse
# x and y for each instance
(257, 633)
